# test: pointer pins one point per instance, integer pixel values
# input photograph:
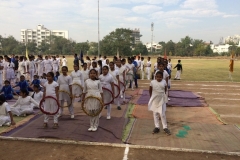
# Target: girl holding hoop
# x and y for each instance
(78, 82)
(50, 104)
(107, 82)
(65, 91)
(93, 87)
(115, 75)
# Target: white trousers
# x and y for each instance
(178, 74)
(46, 118)
(109, 110)
(142, 72)
(163, 119)
(18, 111)
(94, 121)
(148, 69)
(70, 108)
(31, 73)
(4, 74)
(4, 120)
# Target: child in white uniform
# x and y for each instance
(85, 72)
(50, 105)
(47, 65)
(31, 68)
(157, 102)
(10, 70)
(55, 65)
(129, 72)
(122, 77)
(93, 87)
(1, 72)
(24, 104)
(142, 68)
(37, 94)
(64, 61)
(77, 78)
(115, 75)
(6, 118)
(65, 84)
(148, 68)
(40, 66)
(107, 81)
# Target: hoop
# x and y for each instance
(45, 112)
(115, 91)
(69, 96)
(80, 88)
(93, 114)
(107, 103)
(121, 83)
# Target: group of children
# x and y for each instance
(93, 77)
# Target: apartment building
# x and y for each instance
(41, 34)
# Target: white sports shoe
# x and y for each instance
(90, 129)
(108, 117)
(72, 116)
(94, 129)
(169, 99)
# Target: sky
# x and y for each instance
(208, 20)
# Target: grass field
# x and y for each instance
(199, 69)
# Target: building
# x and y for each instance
(156, 47)
(221, 48)
(41, 34)
(235, 39)
(136, 35)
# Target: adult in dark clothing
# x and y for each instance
(76, 60)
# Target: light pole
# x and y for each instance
(98, 33)
(152, 27)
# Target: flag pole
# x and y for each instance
(98, 33)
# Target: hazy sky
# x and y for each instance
(173, 19)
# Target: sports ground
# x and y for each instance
(208, 131)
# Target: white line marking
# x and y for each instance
(125, 157)
(117, 145)
(226, 99)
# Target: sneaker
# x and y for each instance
(90, 129)
(132, 89)
(79, 100)
(156, 130)
(94, 129)
(119, 108)
(169, 99)
(72, 116)
(166, 130)
(55, 126)
(24, 115)
(45, 125)
(121, 96)
(108, 117)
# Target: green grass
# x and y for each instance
(196, 69)
(128, 127)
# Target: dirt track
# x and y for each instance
(10, 150)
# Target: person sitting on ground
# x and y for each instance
(6, 118)
(7, 90)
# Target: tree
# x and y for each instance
(93, 48)
(32, 47)
(83, 46)
(8, 44)
(44, 47)
(140, 48)
(121, 39)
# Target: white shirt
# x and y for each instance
(64, 62)
(142, 65)
(31, 65)
(149, 63)
(85, 74)
(38, 96)
(165, 74)
(4, 109)
(51, 88)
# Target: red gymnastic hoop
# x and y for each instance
(111, 95)
(118, 90)
(48, 113)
